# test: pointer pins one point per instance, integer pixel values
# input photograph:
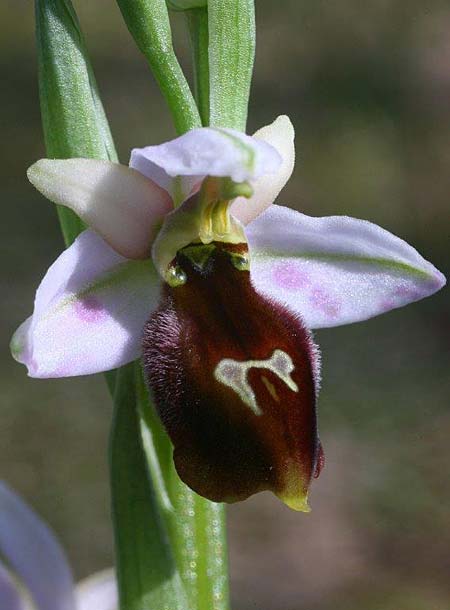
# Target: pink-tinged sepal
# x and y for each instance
(234, 377)
(335, 270)
(89, 312)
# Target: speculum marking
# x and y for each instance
(233, 374)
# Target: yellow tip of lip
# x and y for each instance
(298, 503)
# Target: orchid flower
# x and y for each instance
(36, 574)
(189, 265)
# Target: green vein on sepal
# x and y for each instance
(133, 271)
(249, 163)
(345, 258)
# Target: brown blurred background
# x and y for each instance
(367, 86)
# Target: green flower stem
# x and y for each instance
(147, 573)
(213, 588)
(196, 526)
(197, 20)
(73, 118)
(231, 56)
(148, 22)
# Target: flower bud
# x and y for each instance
(234, 378)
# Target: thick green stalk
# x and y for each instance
(197, 20)
(148, 575)
(73, 118)
(148, 22)
(231, 57)
(196, 526)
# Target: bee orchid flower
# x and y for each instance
(36, 574)
(190, 265)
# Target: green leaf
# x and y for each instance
(148, 22)
(148, 577)
(231, 57)
(197, 20)
(184, 5)
(73, 118)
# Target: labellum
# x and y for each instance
(234, 378)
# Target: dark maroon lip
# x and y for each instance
(233, 437)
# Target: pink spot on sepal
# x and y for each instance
(407, 293)
(387, 305)
(290, 277)
(90, 309)
(326, 303)
(399, 296)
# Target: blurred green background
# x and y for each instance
(367, 86)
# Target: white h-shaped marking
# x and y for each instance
(234, 374)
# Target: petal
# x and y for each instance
(10, 597)
(98, 592)
(33, 552)
(89, 312)
(234, 377)
(207, 151)
(179, 188)
(118, 202)
(279, 134)
(335, 270)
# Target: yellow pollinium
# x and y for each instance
(216, 222)
(203, 218)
